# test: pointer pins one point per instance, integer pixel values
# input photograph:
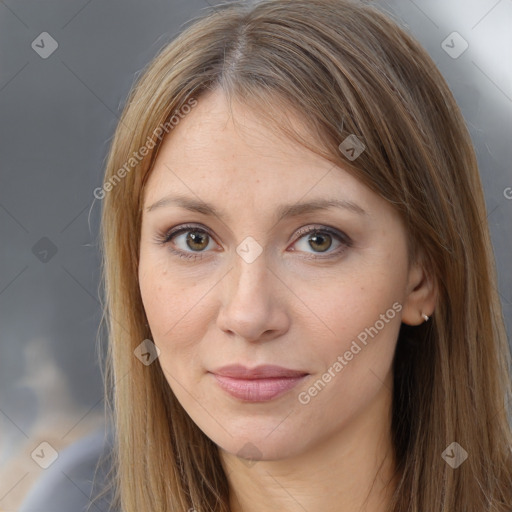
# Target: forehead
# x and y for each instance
(226, 155)
(217, 128)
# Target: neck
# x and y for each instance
(350, 471)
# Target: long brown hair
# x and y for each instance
(344, 69)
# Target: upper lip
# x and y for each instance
(259, 372)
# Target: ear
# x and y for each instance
(421, 295)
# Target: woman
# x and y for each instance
(299, 280)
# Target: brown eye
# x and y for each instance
(188, 241)
(197, 240)
(192, 242)
(320, 242)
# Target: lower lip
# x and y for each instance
(257, 390)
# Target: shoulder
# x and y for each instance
(75, 478)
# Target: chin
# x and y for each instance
(252, 449)
(258, 438)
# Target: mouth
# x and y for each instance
(259, 384)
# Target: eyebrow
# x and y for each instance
(284, 211)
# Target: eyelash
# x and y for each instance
(163, 238)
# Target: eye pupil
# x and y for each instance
(314, 238)
(195, 238)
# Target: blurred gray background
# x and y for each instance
(65, 71)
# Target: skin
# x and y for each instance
(282, 308)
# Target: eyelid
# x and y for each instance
(168, 233)
(165, 237)
(312, 228)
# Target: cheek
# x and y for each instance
(354, 303)
(355, 366)
(362, 316)
(174, 309)
(166, 310)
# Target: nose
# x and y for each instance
(253, 307)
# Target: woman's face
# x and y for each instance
(249, 286)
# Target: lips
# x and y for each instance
(238, 371)
(258, 384)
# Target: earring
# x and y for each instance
(425, 317)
